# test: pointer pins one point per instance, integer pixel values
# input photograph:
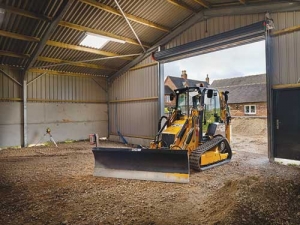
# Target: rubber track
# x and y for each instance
(196, 154)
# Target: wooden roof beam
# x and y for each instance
(59, 44)
(129, 16)
(103, 33)
(25, 13)
(243, 2)
(18, 36)
(203, 3)
(84, 49)
(286, 30)
(81, 64)
(182, 5)
(13, 54)
(54, 23)
(62, 73)
(68, 24)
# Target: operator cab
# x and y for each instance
(201, 102)
(188, 99)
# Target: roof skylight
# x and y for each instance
(97, 41)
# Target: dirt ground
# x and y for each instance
(48, 185)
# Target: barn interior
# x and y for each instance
(52, 78)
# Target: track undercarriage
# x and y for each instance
(219, 152)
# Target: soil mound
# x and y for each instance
(249, 126)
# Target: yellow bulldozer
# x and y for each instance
(195, 135)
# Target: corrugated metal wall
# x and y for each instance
(66, 88)
(72, 106)
(134, 102)
(214, 26)
(284, 65)
(8, 88)
(10, 112)
(285, 50)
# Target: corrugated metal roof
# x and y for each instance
(159, 13)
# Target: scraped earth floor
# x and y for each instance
(48, 185)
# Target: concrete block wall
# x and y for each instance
(67, 121)
(10, 124)
(71, 106)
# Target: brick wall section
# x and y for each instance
(238, 109)
(171, 85)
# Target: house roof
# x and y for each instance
(178, 82)
(243, 89)
(168, 90)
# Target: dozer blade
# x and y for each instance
(142, 164)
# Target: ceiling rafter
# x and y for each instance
(25, 13)
(243, 2)
(100, 32)
(80, 64)
(59, 44)
(69, 25)
(14, 54)
(203, 3)
(52, 26)
(18, 36)
(84, 49)
(129, 16)
(62, 73)
(182, 5)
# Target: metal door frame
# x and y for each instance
(272, 123)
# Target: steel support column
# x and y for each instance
(269, 97)
(25, 143)
(108, 108)
(161, 90)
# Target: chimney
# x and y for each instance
(184, 75)
(207, 79)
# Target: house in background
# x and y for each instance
(173, 83)
(168, 92)
(247, 95)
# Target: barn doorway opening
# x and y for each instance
(241, 70)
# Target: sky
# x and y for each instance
(233, 62)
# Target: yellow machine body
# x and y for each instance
(212, 156)
(196, 136)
